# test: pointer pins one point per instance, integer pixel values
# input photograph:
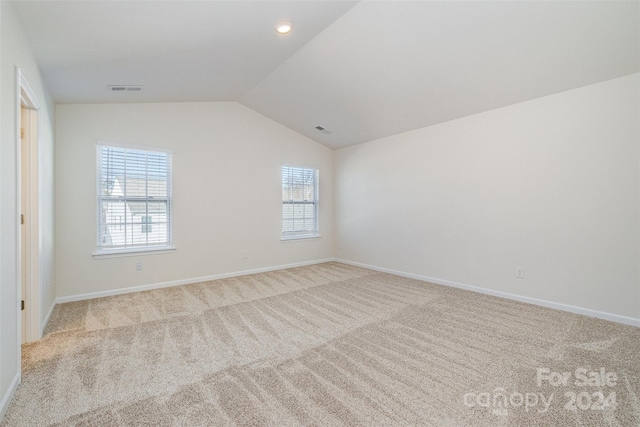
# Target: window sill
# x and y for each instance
(118, 253)
(301, 237)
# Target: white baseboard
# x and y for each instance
(544, 303)
(43, 326)
(6, 399)
(91, 295)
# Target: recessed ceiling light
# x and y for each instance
(284, 27)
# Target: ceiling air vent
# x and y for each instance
(323, 130)
(124, 88)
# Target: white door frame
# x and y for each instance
(25, 97)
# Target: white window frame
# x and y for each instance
(133, 250)
(303, 234)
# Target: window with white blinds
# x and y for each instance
(134, 198)
(299, 202)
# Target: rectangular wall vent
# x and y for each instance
(124, 88)
(323, 129)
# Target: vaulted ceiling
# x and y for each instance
(362, 70)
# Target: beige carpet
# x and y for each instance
(325, 345)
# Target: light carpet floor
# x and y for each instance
(325, 345)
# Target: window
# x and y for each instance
(299, 202)
(134, 199)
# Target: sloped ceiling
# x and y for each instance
(177, 50)
(362, 71)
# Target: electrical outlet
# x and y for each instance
(138, 265)
(519, 273)
(245, 255)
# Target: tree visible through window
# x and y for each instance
(134, 198)
(299, 202)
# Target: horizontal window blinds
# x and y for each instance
(299, 201)
(134, 198)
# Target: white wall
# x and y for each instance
(550, 185)
(16, 52)
(226, 189)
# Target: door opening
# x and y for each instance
(24, 199)
(28, 239)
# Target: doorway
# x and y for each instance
(24, 197)
(27, 151)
